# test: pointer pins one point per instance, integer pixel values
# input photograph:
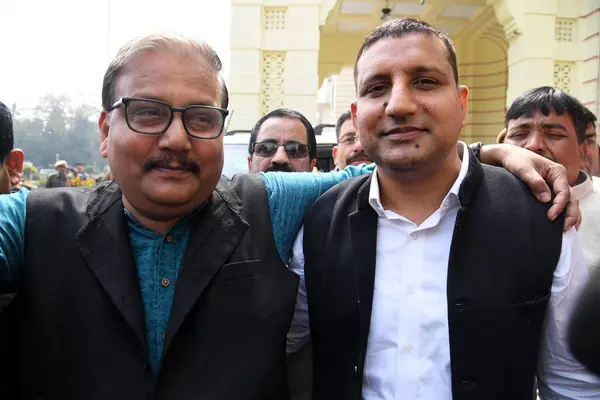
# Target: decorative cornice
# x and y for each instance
(511, 30)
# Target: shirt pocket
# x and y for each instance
(241, 270)
(525, 322)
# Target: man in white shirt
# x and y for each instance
(557, 126)
(437, 278)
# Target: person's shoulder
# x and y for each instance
(509, 193)
(14, 198)
(238, 181)
(501, 181)
(350, 188)
(241, 188)
(56, 197)
(342, 195)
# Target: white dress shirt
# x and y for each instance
(408, 349)
(588, 194)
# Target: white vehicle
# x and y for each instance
(235, 147)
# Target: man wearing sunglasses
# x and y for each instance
(169, 282)
(283, 140)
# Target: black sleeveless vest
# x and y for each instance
(503, 255)
(79, 319)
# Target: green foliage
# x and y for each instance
(30, 172)
(57, 126)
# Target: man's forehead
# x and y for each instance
(410, 51)
(347, 128)
(539, 117)
(151, 73)
(276, 126)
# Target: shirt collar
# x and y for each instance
(182, 225)
(584, 188)
(450, 199)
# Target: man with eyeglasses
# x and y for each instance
(169, 282)
(283, 140)
(348, 151)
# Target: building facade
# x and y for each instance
(300, 53)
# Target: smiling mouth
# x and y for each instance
(359, 161)
(404, 134)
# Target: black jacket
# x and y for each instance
(501, 266)
(79, 319)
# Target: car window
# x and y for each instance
(235, 159)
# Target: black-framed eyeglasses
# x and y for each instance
(268, 148)
(153, 117)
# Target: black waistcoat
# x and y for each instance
(79, 313)
(501, 264)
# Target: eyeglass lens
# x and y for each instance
(293, 150)
(153, 118)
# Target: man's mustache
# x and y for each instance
(357, 156)
(279, 168)
(167, 161)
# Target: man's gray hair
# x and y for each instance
(173, 42)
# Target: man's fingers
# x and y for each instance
(538, 185)
(569, 223)
(573, 218)
(558, 177)
(561, 201)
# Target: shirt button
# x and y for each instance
(165, 282)
(168, 238)
(407, 348)
(414, 236)
(411, 290)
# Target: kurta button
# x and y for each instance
(169, 238)
(165, 282)
(164, 336)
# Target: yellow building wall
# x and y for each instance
(513, 46)
(274, 54)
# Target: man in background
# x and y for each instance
(61, 177)
(348, 151)
(283, 140)
(81, 178)
(557, 126)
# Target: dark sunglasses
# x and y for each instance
(292, 149)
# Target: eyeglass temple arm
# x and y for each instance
(228, 121)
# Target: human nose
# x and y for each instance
(280, 156)
(175, 138)
(535, 142)
(401, 101)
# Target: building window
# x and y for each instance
(274, 18)
(562, 76)
(564, 29)
(272, 81)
